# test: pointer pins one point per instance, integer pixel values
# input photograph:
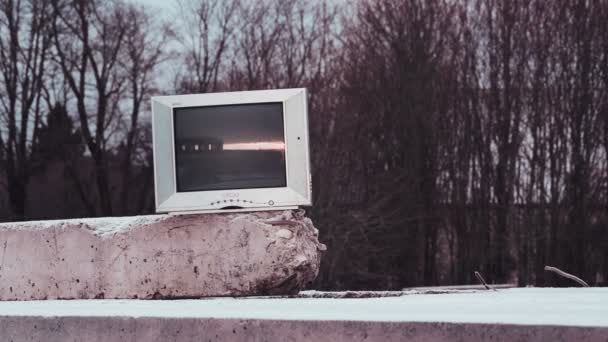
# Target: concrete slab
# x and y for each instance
(159, 256)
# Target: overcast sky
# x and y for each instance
(162, 5)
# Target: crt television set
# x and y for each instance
(232, 151)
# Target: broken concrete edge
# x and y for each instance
(232, 255)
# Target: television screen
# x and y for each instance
(229, 147)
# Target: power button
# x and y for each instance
(271, 202)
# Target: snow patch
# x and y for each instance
(521, 306)
(98, 225)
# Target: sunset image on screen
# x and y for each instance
(255, 146)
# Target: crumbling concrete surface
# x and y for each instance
(160, 256)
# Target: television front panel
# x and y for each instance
(231, 151)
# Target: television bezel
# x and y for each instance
(298, 190)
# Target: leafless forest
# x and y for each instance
(447, 136)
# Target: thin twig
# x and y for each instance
(566, 275)
(482, 281)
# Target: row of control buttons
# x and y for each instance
(230, 200)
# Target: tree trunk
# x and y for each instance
(17, 196)
(103, 187)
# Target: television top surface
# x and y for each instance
(238, 150)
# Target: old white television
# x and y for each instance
(232, 151)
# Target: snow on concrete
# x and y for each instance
(100, 226)
(525, 306)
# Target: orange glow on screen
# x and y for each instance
(256, 146)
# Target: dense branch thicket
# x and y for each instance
(447, 136)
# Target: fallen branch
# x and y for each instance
(566, 275)
(459, 287)
(481, 280)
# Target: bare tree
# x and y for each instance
(24, 46)
(208, 27)
(603, 43)
(89, 37)
(395, 59)
(145, 44)
(582, 113)
(506, 68)
(256, 45)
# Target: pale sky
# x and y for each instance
(164, 7)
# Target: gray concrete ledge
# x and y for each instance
(155, 329)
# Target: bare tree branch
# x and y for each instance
(566, 275)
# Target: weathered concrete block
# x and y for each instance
(159, 256)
